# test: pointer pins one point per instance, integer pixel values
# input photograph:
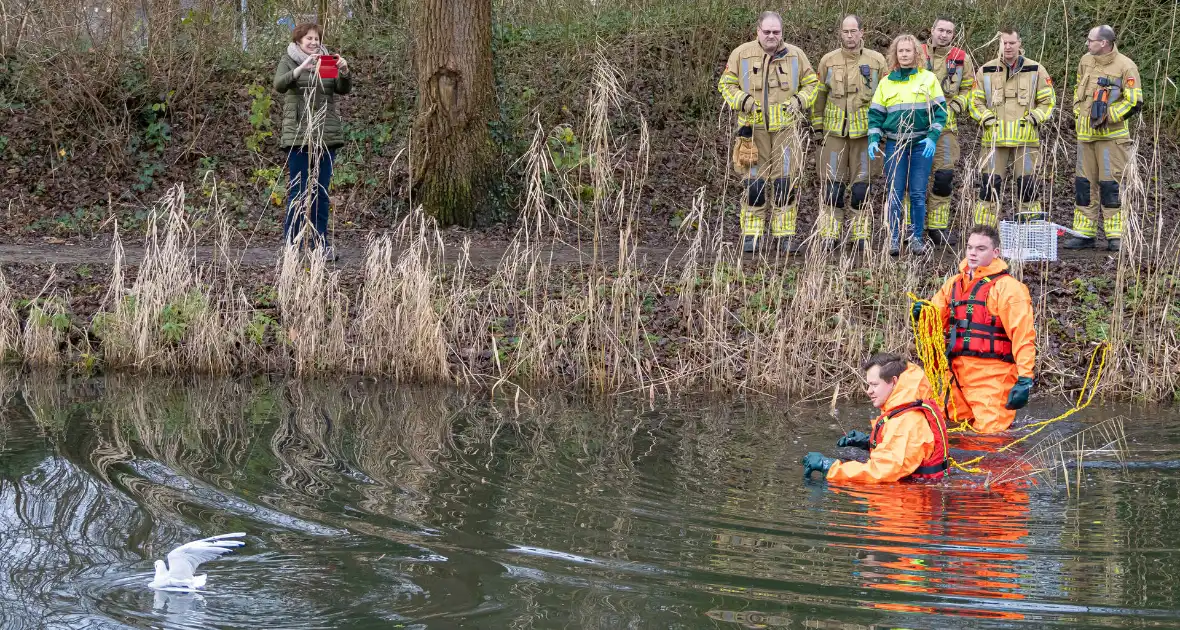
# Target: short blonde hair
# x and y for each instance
(919, 54)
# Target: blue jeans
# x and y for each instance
(299, 167)
(904, 165)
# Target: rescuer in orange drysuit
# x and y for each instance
(908, 440)
(988, 318)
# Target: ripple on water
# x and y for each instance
(416, 509)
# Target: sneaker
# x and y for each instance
(749, 244)
(1079, 242)
(330, 254)
(917, 247)
(1114, 244)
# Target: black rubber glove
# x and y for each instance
(916, 311)
(854, 438)
(1018, 395)
(815, 461)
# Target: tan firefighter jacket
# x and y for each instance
(1012, 95)
(1115, 78)
(955, 70)
(847, 80)
(768, 91)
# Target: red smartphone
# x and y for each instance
(328, 68)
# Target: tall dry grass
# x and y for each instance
(179, 313)
(602, 318)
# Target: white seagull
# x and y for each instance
(177, 575)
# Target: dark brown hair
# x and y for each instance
(890, 365)
(988, 231)
(304, 29)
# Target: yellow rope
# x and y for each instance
(1085, 397)
(929, 339)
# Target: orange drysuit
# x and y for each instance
(981, 385)
(906, 439)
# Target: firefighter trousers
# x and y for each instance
(844, 175)
(772, 185)
(1096, 187)
(1024, 185)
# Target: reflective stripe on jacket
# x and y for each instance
(1009, 95)
(1121, 73)
(908, 106)
(755, 83)
(847, 81)
(955, 72)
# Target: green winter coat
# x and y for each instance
(322, 91)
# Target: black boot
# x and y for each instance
(1079, 242)
(1114, 244)
(788, 245)
(749, 244)
(942, 237)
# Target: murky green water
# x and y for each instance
(373, 507)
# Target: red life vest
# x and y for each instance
(974, 331)
(934, 467)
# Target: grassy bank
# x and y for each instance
(615, 138)
(104, 114)
(704, 319)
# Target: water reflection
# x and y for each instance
(937, 540)
(369, 506)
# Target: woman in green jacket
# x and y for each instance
(311, 148)
(909, 110)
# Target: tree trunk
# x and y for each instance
(452, 154)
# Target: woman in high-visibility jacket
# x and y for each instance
(908, 440)
(908, 110)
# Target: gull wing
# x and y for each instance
(185, 559)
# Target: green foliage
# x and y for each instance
(565, 150)
(51, 312)
(176, 316)
(260, 103)
(258, 327)
(158, 132)
(1095, 316)
(87, 363)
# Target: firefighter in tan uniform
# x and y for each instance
(771, 85)
(1108, 91)
(847, 79)
(1013, 97)
(955, 70)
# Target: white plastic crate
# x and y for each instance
(1028, 241)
